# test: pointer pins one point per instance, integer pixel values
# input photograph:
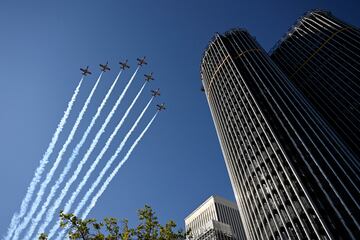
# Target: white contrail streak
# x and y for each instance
(67, 168)
(50, 174)
(56, 204)
(115, 171)
(94, 164)
(111, 176)
(108, 164)
(40, 169)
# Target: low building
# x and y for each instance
(215, 219)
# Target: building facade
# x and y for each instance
(321, 56)
(292, 176)
(215, 219)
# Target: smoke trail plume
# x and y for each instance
(40, 169)
(67, 168)
(112, 159)
(114, 172)
(50, 174)
(109, 179)
(56, 204)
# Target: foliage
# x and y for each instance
(149, 228)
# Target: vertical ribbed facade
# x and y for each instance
(321, 56)
(215, 219)
(289, 171)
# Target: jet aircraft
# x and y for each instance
(124, 65)
(161, 106)
(148, 77)
(104, 67)
(141, 61)
(155, 92)
(85, 71)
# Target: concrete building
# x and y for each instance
(215, 219)
(287, 165)
(321, 56)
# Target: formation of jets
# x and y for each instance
(123, 66)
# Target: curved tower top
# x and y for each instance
(321, 56)
(292, 177)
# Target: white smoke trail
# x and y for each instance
(94, 164)
(115, 171)
(108, 180)
(67, 168)
(108, 164)
(56, 204)
(40, 169)
(50, 174)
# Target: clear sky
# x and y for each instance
(179, 162)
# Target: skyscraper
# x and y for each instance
(292, 176)
(215, 219)
(321, 56)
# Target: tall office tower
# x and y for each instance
(215, 219)
(291, 175)
(321, 56)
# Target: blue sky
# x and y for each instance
(179, 162)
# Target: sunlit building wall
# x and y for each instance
(215, 219)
